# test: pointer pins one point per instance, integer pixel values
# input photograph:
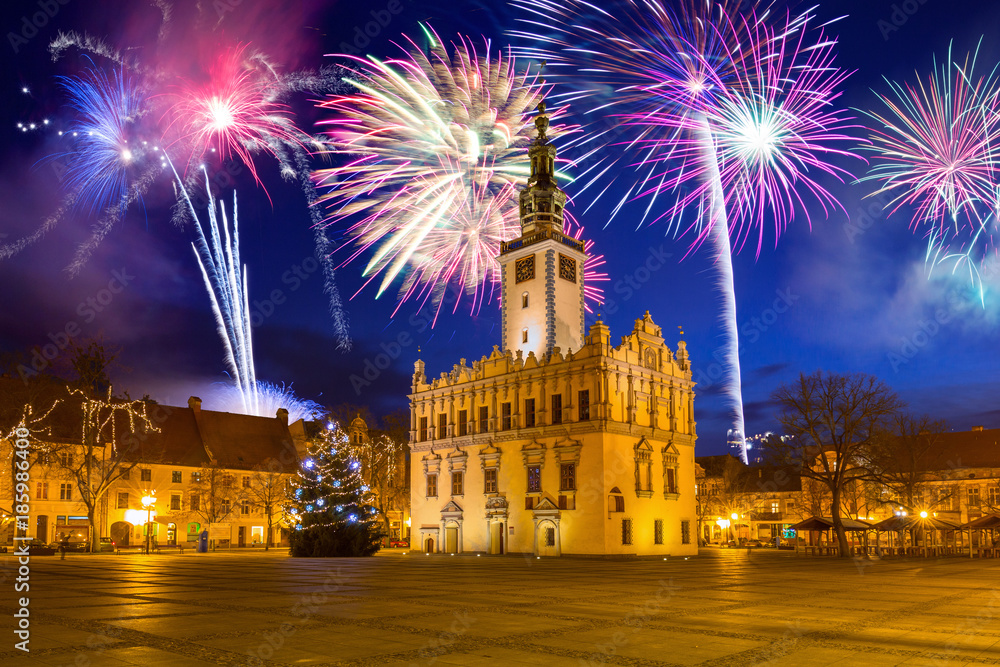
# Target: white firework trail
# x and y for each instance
(226, 282)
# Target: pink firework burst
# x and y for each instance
(237, 111)
(937, 152)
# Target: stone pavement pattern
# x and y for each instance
(722, 608)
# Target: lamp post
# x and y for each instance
(148, 501)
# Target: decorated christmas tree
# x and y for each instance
(329, 506)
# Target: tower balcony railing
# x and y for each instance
(525, 241)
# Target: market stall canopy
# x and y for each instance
(822, 523)
(912, 521)
(988, 522)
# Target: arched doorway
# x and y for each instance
(429, 545)
(547, 538)
(121, 533)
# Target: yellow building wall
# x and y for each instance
(639, 392)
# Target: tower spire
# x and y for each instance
(542, 201)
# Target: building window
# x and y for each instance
(196, 477)
(145, 475)
(122, 500)
(176, 476)
(550, 537)
(463, 422)
(524, 335)
(567, 477)
(529, 412)
(685, 532)
(790, 505)
(442, 425)
(557, 409)
(423, 429)
(524, 300)
(175, 501)
(484, 419)
(123, 472)
(670, 481)
(626, 531)
(775, 506)
(65, 492)
(534, 479)
(224, 507)
(994, 495)
(432, 486)
(616, 501)
(245, 507)
(643, 470)
(246, 481)
(66, 459)
(195, 502)
(42, 491)
(658, 531)
(505, 417)
(973, 496)
(456, 483)
(583, 400)
(490, 477)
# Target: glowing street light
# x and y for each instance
(148, 501)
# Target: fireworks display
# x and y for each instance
(128, 122)
(727, 115)
(936, 152)
(433, 147)
(218, 255)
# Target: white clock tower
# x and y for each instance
(542, 270)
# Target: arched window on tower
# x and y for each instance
(524, 335)
(524, 300)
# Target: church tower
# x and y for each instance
(542, 270)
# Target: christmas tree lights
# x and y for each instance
(329, 507)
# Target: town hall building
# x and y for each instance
(558, 441)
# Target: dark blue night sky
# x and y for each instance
(851, 294)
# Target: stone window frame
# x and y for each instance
(489, 459)
(457, 463)
(533, 454)
(432, 466)
(567, 451)
(671, 462)
(642, 454)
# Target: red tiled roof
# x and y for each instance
(964, 449)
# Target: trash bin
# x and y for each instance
(202, 542)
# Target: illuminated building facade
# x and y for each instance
(558, 442)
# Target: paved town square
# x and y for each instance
(724, 607)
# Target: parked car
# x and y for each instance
(399, 543)
(38, 548)
(753, 543)
(106, 544)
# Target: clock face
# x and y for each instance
(524, 269)
(567, 268)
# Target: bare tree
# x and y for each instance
(381, 459)
(213, 496)
(834, 420)
(112, 444)
(900, 456)
(267, 492)
(26, 408)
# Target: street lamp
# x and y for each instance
(148, 501)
